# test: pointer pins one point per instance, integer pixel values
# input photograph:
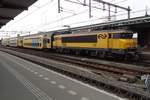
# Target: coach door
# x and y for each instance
(44, 42)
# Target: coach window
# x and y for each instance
(36, 44)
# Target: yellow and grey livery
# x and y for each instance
(100, 43)
(106, 42)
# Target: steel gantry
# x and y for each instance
(109, 5)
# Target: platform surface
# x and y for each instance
(24, 80)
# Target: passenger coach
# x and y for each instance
(35, 42)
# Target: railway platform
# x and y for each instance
(24, 80)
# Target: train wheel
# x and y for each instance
(77, 52)
(137, 57)
(126, 57)
(102, 54)
(92, 53)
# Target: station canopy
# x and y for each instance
(11, 8)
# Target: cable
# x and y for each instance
(67, 17)
(88, 5)
(104, 17)
(118, 2)
(54, 21)
(112, 15)
(47, 3)
(69, 24)
(49, 23)
(68, 11)
(121, 1)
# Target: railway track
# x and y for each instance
(120, 88)
(108, 69)
(93, 64)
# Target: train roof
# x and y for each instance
(96, 32)
(33, 36)
(106, 31)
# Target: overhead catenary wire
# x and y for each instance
(54, 21)
(69, 11)
(104, 8)
(88, 5)
(113, 1)
(64, 10)
(121, 1)
(104, 17)
(41, 24)
(65, 18)
(22, 18)
(38, 8)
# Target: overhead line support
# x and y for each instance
(59, 8)
(114, 5)
(90, 15)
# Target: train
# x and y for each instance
(109, 43)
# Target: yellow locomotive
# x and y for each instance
(106, 43)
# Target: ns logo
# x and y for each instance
(102, 36)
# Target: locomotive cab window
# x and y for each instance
(110, 35)
(123, 35)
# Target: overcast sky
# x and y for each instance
(44, 16)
